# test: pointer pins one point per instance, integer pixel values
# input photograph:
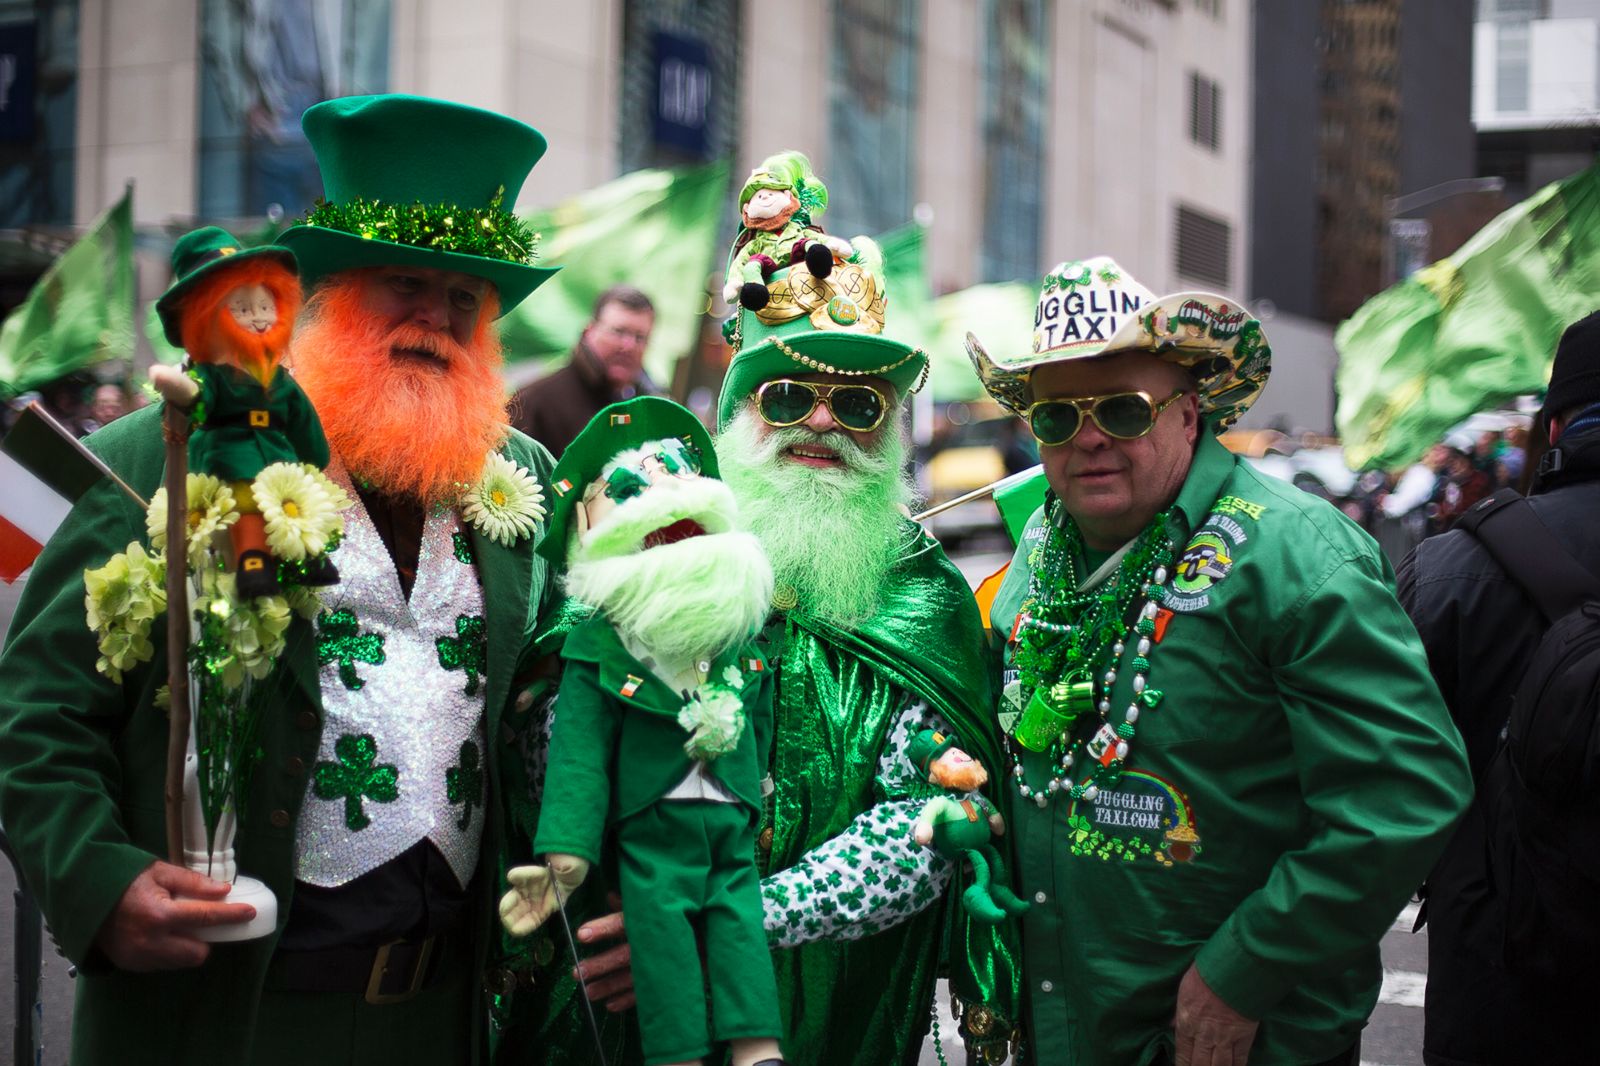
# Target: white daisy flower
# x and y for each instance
(212, 509)
(507, 502)
(299, 515)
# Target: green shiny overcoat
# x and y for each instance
(83, 763)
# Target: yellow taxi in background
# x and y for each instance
(974, 444)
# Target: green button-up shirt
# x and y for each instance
(1277, 807)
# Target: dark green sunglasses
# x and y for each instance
(859, 408)
(1123, 415)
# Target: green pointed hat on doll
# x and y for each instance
(195, 257)
(824, 310)
(616, 429)
(412, 181)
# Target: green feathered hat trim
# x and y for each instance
(792, 171)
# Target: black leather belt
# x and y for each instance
(392, 973)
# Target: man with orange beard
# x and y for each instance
(372, 812)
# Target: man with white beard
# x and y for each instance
(874, 636)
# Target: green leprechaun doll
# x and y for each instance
(662, 720)
(233, 311)
(961, 823)
(779, 206)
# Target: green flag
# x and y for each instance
(80, 312)
(653, 229)
(1472, 330)
(1000, 314)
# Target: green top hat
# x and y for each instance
(816, 325)
(926, 747)
(196, 255)
(411, 181)
(615, 429)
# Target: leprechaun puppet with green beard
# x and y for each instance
(662, 722)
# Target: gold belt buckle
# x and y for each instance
(380, 967)
(260, 419)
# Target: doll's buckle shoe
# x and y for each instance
(257, 575)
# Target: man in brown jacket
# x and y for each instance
(607, 365)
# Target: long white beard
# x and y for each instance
(693, 599)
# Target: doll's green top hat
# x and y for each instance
(413, 181)
(629, 424)
(815, 325)
(196, 256)
(926, 747)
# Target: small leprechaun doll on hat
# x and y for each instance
(779, 207)
(961, 824)
(232, 310)
(662, 722)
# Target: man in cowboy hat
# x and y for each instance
(1231, 765)
(382, 751)
(873, 637)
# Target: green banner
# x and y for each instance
(1470, 331)
(81, 311)
(653, 229)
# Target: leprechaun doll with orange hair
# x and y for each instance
(233, 311)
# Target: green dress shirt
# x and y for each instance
(1277, 807)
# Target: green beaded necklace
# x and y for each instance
(1066, 638)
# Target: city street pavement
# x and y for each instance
(1393, 1036)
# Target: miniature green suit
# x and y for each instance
(234, 446)
(684, 865)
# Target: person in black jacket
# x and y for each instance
(1480, 629)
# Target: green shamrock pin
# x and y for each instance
(354, 778)
(463, 783)
(467, 650)
(340, 640)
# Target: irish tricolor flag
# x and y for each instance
(43, 471)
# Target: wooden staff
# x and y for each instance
(175, 430)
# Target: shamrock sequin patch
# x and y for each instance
(462, 547)
(468, 650)
(340, 640)
(354, 778)
(463, 782)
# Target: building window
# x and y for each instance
(261, 66)
(680, 63)
(1204, 247)
(872, 115)
(1205, 111)
(1512, 45)
(38, 110)
(1016, 67)
(1209, 7)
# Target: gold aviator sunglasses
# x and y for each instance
(1123, 415)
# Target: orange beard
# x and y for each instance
(212, 335)
(407, 428)
(965, 778)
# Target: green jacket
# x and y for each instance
(227, 444)
(617, 746)
(1279, 804)
(83, 762)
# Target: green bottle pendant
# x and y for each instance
(1051, 712)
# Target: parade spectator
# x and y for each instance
(606, 366)
(1485, 1005)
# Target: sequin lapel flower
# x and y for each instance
(506, 503)
(211, 509)
(300, 514)
(714, 718)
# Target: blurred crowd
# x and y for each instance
(81, 402)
